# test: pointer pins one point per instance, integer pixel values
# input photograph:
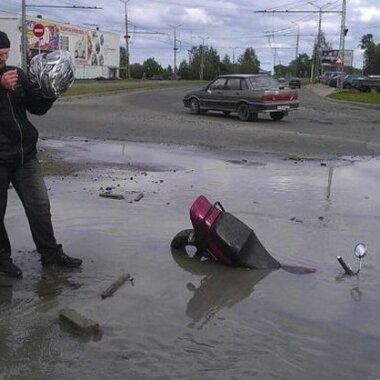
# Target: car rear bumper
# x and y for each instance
(274, 107)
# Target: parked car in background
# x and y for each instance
(349, 80)
(367, 84)
(333, 80)
(326, 76)
(246, 94)
(295, 82)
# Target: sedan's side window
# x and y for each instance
(233, 84)
(218, 84)
(244, 84)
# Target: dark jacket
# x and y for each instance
(18, 137)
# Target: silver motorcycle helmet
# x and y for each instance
(53, 73)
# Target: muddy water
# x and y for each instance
(182, 319)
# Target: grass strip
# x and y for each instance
(86, 87)
(361, 97)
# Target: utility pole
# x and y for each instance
(343, 32)
(297, 46)
(23, 35)
(127, 57)
(202, 56)
(317, 60)
(175, 49)
(274, 51)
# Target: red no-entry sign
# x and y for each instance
(38, 30)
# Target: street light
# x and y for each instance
(316, 62)
(202, 54)
(126, 38)
(297, 44)
(175, 49)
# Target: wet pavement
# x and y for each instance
(180, 318)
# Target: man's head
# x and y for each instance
(5, 45)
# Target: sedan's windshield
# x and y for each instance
(263, 82)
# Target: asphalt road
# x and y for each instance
(321, 128)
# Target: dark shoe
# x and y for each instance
(61, 259)
(10, 269)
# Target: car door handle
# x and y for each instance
(219, 92)
(237, 93)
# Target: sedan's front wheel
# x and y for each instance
(244, 113)
(194, 106)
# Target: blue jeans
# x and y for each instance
(29, 184)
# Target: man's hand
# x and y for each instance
(9, 79)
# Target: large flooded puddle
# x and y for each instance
(189, 320)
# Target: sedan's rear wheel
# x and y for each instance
(244, 112)
(277, 115)
(194, 106)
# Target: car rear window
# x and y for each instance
(263, 82)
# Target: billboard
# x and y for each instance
(88, 47)
(49, 41)
(335, 57)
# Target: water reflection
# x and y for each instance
(5, 295)
(221, 287)
(54, 281)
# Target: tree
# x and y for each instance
(301, 67)
(281, 71)
(136, 70)
(209, 58)
(184, 70)
(249, 63)
(226, 66)
(371, 55)
(152, 67)
(168, 73)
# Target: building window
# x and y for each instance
(64, 43)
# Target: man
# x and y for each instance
(19, 165)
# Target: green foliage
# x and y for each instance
(204, 62)
(248, 61)
(151, 67)
(353, 96)
(301, 67)
(371, 55)
(184, 70)
(168, 73)
(281, 71)
(136, 71)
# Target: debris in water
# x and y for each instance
(111, 196)
(116, 285)
(139, 197)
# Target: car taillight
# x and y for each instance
(279, 97)
(268, 98)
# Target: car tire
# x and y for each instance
(277, 116)
(194, 106)
(244, 113)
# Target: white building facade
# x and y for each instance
(96, 53)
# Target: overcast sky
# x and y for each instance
(229, 26)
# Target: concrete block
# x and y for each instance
(83, 325)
